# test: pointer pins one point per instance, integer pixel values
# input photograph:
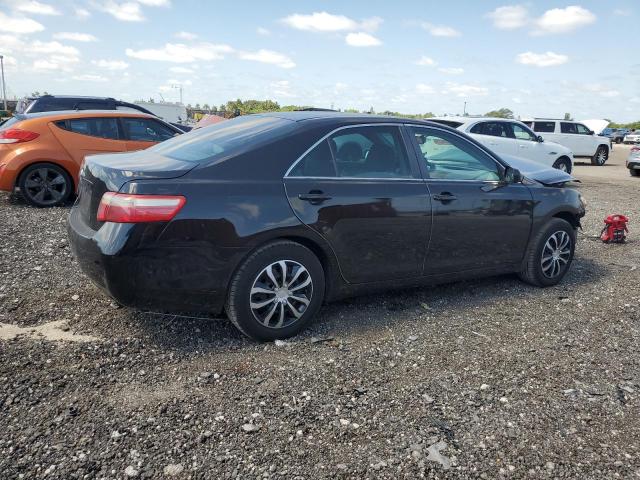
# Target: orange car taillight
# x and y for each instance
(130, 208)
(15, 135)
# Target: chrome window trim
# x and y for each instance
(377, 179)
(344, 127)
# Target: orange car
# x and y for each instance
(41, 153)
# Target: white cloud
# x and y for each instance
(89, 78)
(126, 12)
(440, 30)
(263, 31)
(282, 88)
(548, 59)
(452, 70)
(268, 56)
(35, 8)
(601, 90)
(82, 13)
(424, 89)
(462, 90)
(361, 39)
(181, 70)
(563, 20)
(19, 24)
(181, 53)
(53, 48)
(621, 12)
(509, 17)
(75, 36)
(327, 22)
(110, 64)
(155, 3)
(426, 61)
(186, 36)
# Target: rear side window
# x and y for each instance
(568, 127)
(146, 130)
(544, 127)
(493, 129)
(370, 152)
(93, 127)
(317, 163)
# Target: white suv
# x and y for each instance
(574, 135)
(511, 137)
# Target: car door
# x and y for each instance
(571, 139)
(89, 135)
(496, 136)
(141, 132)
(361, 190)
(588, 142)
(529, 147)
(479, 220)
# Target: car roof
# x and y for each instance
(62, 114)
(307, 116)
(82, 97)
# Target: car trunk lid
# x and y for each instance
(109, 172)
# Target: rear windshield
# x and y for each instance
(222, 138)
(448, 123)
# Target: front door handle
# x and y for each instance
(314, 197)
(444, 197)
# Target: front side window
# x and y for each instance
(544, 127)
(522, 133)
(95, 127)
(449, 157)
(370, 152)
(146, 130)
(582, 130)
(566, 127)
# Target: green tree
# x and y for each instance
(501, 113)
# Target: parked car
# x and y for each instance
(268, 216)
(576, 136)
(616, 135)
(41, 153)
(633, 161)
(511, 137)
(632, 137)
(57, 103)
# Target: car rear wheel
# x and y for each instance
(618, 140)
(550, 254)
(563, 164)
(45, 185)
(276, 291)
(601, 156)
(634, 172)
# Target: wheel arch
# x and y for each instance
(569, 217)
(51, 162)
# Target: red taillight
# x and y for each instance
(128, 208)
(15, 135)
(635, 149)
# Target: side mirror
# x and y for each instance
(513, 175)
(540, 139)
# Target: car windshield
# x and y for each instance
(214, 141)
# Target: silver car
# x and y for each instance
(633, 161)
(632, 137)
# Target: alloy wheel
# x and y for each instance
(281, 293)
(602, 157)
(555, 254)
(45, 186)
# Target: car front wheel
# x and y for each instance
(276, 292)
(563, 164)
(550, 254)
(634, 172)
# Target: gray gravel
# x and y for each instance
(480, 379)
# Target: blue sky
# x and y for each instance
(541, 58)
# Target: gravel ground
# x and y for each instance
(480, 379)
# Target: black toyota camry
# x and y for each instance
(268, 216)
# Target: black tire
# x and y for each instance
(618, 140)
(634, 172)
(45, 185)
(601, 156)
(563, 163)
(533, 270)
(254, 269)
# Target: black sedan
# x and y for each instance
(268, 216)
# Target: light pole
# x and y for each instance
(464, 113)
(4, 86)
(179, 87)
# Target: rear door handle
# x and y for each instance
(314, 197)
(444, 197)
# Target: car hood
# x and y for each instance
(539, 173)
(596, 125)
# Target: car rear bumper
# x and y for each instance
(151, 276)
